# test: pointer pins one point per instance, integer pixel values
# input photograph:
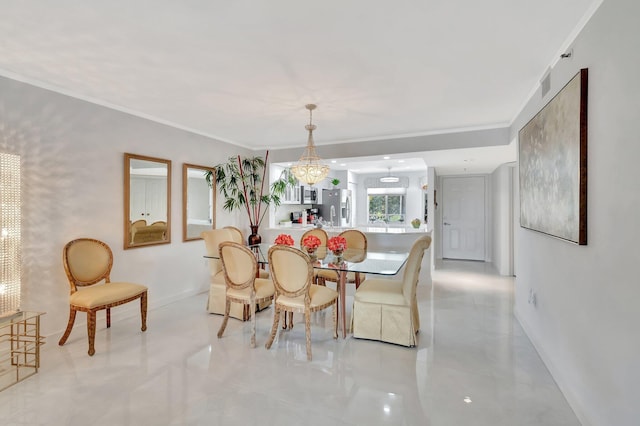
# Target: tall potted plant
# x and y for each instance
(241, 181)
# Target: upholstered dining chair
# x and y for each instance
(238, 237)
(217, 287)
(240, 270)
(135, 225)
(322, 235)
(318, 232)
(87, 263)
(292, 275)
(356, 240)
(386, 309)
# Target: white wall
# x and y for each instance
(72, 186)
(501, 220)
(585, 323)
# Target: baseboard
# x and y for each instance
(556, 374)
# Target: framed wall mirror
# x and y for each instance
(198, 202)
(147, 201)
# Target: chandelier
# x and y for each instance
(310, 169)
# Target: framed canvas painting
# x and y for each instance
(552, 153)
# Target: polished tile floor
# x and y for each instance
(473, 366)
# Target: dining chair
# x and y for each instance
(318, 232)
(140, 223)
(355, 240)
(292, 275)
(322, 235)
(217, 287)
(387, 309)
(87, 263)
(240, 270)
(238, 237)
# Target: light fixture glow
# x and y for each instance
(389, 178)
(310, 169)
(467, 400)
(10, 244)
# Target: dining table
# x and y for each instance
(351, 260)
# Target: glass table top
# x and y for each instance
(352, 260)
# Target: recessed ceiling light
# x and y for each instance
(386, 157)
(467, 400)
(400, 161)
(289, 164)
(333, 161)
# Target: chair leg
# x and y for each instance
(357, 280)
(253, 322)
(143, 311)
(227, 308)
(108, 317)
(288, 326)
(274, 327)
(307, 332)
(67, 332)
(335, 319)
(91, 331)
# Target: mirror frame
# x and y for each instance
(185, 180)
(127, 200)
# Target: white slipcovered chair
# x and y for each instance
(386, 309)
(292, 275)
(240, 270)
(217, 288)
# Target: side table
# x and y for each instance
(20, 342)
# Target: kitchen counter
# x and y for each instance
(382, 238)
(378, 237)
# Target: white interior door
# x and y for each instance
(463, 218)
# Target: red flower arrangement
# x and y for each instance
(311, 242)
(284, 239)
(337, 243)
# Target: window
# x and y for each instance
(386, 205)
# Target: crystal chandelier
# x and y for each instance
(310, 169)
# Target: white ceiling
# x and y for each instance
(241, 71)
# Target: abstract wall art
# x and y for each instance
(552, 154)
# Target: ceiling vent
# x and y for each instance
(545, 83)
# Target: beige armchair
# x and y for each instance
(292, 275)
(87, 263)
(240, 270)
(217, 288)
(387, 310)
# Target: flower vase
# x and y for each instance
(254, 238)
(338, 255)
(312, 252)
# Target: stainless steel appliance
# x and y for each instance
(308, 195)
(336, 207)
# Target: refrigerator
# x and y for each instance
(336, 204)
